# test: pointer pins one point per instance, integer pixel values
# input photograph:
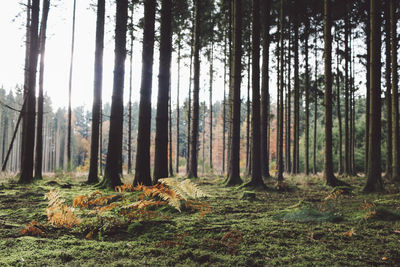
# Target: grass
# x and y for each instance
(268, 230)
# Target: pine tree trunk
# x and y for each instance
(69, 130)
(315, 102)
(248, 164)
(189, 109)
(368, 33)
(211, 105)
(296, 96)
(113, 164)
(142, 173)
(96, 108)
(280, 97)
(224, 109)
(395, 93)
(39, 127)
(177, 106)
(339, 113)
(266, 5)
(347, 170)
(236, 68)
(374, 179)
(328, 162)
(161, 140)
(28, 138)
(307, 101)
(194, 131)
(130, 98)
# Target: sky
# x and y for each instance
(57, 58)
(58, 53)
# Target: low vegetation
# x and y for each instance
(59, 221)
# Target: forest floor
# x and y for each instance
(303, 225)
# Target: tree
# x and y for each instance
(130, 95)
(142, 173)
(96, 108)
(194, 131)
(28, 137)
(112, 171)
(39, 135)
(307, 99)
(265, 98)
(395, 93)
(69, 166)
(330, 178)
(388, 95)
(256, 177)
(280, 102)
(296, 140)
(234, 171)
(161, 144)
(374, 179)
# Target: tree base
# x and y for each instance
(333, 182)
(233, 181)
(254, 185)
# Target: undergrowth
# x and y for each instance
(139, 227)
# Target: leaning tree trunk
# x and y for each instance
(98, 79)
(194, 133)
(395, 93)
(28, 137)
(265, 89)
(374, 179)
(161, 142)
(39, 128)
(113, 164)
(142, 173)
(236, 70)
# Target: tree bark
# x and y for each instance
(265, 97)
(142, 173)
(395, 93)
(164, 77)
(339, 113)
(306, 95)
(28, 138)
(374, 179)
(296, 95)
(130, 97)
(234, 158)
(112, 170)
(194, 134)
(280, 97)
(97, 90)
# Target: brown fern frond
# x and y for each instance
(33, 229)
(58, 213)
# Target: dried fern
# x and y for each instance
(58, 213)
(185, 189)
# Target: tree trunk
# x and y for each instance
(211, 105)
(256, 177)
(28, 138)
(248, 156)
(296, 96)
(224, 109)
(367, 34)
(265, 97)
(347, 170)
(307, 101)
(194, 134)
(142, 173)
(130, 98)
(177, 106)
(39, 127)
(236, 69)
(280, 96)
(374, 179)
(161, 141)
(328, 161)
(189, 109)
(339, 113)
(69, 130)
(96, 108)
(315, 102)
(113, 164)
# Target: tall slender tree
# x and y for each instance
(161, 142)
(112, 172)
(71, 66)
(395, 92)
(388, 94)
(265, 97)
(194, 131)
(296, 139)
(142, 173)
(39, 128)
(28, 137)
(307, 100)
(98, 81)
(330, 178)
(280, 97)
(234, 169)
(129, 169)
(374, 178)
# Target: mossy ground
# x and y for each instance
(237, 232)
